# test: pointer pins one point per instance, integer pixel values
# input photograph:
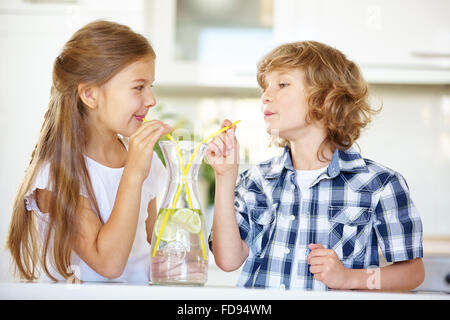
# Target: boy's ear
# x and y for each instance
(89, 95)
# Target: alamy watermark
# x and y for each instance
(374, 280)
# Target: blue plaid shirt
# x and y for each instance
(353, 207)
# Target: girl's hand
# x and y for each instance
(140, 149)
(223, 152)
(327, 268)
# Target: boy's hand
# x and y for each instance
(223, 152)
(327, 268)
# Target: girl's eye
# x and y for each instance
(140, 88)
(283, 85)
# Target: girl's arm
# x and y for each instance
(150, 222)
(106, 247)
(230, 251)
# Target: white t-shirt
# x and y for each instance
(306, 177)
(304, 180)
(105, 182)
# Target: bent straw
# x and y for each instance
(184, 180)
(177, 194)
(185, 170)
(220, 131)
(180, 158)
(206, 140)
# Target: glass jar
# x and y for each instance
(179, 246)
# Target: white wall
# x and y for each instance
(412, 136)
(25, 80)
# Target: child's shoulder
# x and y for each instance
(267, 169)
(375, 167)
(376, 177)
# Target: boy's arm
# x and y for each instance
(399, 276)
(396, 218)
(230, 251)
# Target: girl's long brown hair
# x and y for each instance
(93, 55)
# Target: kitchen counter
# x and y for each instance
(108, 291)
(436, 246)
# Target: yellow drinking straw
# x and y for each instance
(185, 171)
(206, 140)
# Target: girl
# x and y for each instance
(87, 189)
(314, 217)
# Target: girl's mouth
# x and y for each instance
(139, 118)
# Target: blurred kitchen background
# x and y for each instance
(206, 62)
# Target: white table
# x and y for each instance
(107, 291)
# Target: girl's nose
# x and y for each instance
(150, 99)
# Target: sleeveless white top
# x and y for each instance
(105, 182)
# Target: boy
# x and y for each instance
(313, 218)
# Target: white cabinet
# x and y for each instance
(75, 13)
(202, 43)
(402, 41)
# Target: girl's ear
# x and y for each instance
(89, 95)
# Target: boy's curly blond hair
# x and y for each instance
(336, 92)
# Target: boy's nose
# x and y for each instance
(266, 97)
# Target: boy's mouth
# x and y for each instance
(267, 114)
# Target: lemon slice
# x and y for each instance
(170, 230)
(188, 219)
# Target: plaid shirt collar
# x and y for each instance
(349, 160)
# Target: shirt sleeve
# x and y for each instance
(398, 225)
(157, 179)
(240, 207)
(241, 210)
(41, 181)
